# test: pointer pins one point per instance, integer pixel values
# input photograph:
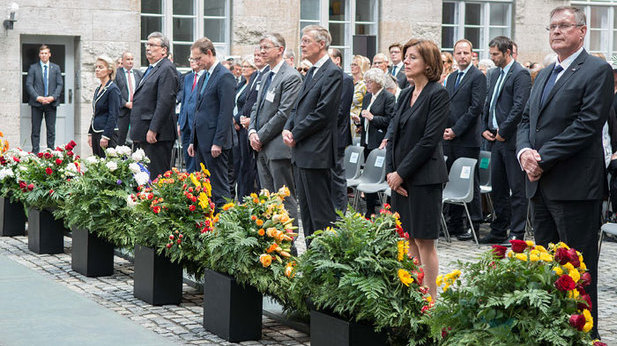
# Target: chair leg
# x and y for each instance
(490, 206)
(528, 225)
(355, 198)
(600, 242)
(473, 231)
(445, 226)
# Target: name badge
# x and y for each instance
(270, 96)
(257, 87)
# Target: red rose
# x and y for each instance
(16, 159)
(47, 155)
(565, 283)
(30, 187)
(587, 304)
(179, 241)
(40, 155)
(585, 279)
(518, 245)
(22, 185)
(48, 171)
(577, 321)
(58, 162)
(499, 251)
(70, 145)
(70, 153)
(444, 332)
(168, 245)
(573, 258)
(192, 207)
(599, 343)
(420, 276)
(425, 309)
(171, 237)
(561, 256)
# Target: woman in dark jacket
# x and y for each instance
(103, 132)
(377, 110)
(415, 166)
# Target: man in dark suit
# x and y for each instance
(187, 111)
(311, 131)
(339, 182)
(153, 125)
(127, 79)
(44, 86)
(211, 138)
(398, 68)
(467, 89)
(277, 96)
(506, 97)
(560, 143)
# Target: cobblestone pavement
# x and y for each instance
(182, 324)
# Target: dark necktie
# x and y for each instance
(550, 83)
(493, 124)
(146, 74)
(264, 91)
(394, 70)
(45, 80)
(458, 79)
(205, 79)
(309, 77)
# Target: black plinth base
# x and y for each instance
(231, 311)
(328, 330)
(91, 256)
(45, 234)
(12, 218)
(157, 280)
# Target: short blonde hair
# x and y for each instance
(319, 33)
(363, 63)
(111, 65)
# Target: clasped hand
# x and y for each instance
(529, 161)
(394, 182)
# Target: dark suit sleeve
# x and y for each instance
(113, 101)
(382, 121)
(274, 126)
(317, 120)
(433, 134)
(56, 93)
(30, 83)
(121, 83)
(478, 96)
(166, 98)
(487, 102)
(594, 110)
(522, 133)
(226, 92)
(521, 88)
(346, 100)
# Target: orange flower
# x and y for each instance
(261, 232)
(272, 248)
(289, 269)
(259, 222)
(253, 217)
(265, 260)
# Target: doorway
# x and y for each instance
(63, 54)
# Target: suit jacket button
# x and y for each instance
(537, 129)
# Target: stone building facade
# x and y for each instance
(78, 31)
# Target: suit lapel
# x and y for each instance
(320, 72)
(211, 81)
(421, 98)
(154, 71)
(575, 66)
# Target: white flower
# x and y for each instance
(71, 168)
(123, 150)
(22, 168)
(112, 166)
(111, 152)
(142, 178)
(130, 202)
(138, 155)
(6, 172)
(92, 159)
(134, 168)
(57, 153)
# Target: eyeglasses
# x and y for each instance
(303, 69)
(152, 44)
(561, 26)
(191, 59)
(265, 48)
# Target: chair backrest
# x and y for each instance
(354, 159)
(375, 167)
(460, 180)
(355, 141)
(484, 168)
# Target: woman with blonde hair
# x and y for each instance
(103, 131)
(359, 65)
(448, 61)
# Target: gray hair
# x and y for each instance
(319, 33)
(289, 53)
(579, 15)
(390, 82)
(488, 63)
(549, 59)
(275, 38)
(164, 40)
(375, 75)
(249, 60)
(111, 65)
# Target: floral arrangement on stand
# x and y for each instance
(360, 270)
(97, 201)
(252, 242)
(172, 213)
(42, 178)
(10, 164)
(528, 295)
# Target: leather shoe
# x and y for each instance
(512, 237)
(465, 236)
(491, 239)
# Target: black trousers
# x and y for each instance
(509, 200)
(123, 121)
(372, 199)
(247, 166)
(49, 112)
(575, 223)
(96, 143)
(339, 182)
(219, 174)
(456, 213)
(314, 189)
(159, 154)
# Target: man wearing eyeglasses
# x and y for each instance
(560, 143)
(187, 110)
(153, 125)
(127, 79)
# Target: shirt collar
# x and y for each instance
(466, 70)
(276, 68)
(508, 66)
(569, 60)
(44, 64)
(199, 73)
(399, 66)
(377, 94)
(321, 61)
(156, 63)
(211, 69)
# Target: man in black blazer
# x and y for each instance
(211, 138)
(339, 182)
(398, 68)
(505, 100)
(560, 143)
(153, 125)
(127, 79)
(44, 86)
(311, 131)
(467, 89)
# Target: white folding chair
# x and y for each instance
(459, 190)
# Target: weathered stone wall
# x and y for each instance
(401, 20)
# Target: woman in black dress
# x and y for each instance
(415, 166)
(103, 132)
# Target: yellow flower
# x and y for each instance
(203, 200)
(289, 269)
(529, 243)
(573, 293)
(563, 245)
(589, 321)
(510, 254)
(284, 191)
(558, 270)
(194, 179)
(568, 266)
(541, 248)
(534, 255)
(405, 277)
(203, 169)
(265, 260)
(583, 266)
(521, 256)
(228, 206)
(403, 249)
(546, 257)
(574, 274)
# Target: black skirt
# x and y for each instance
(421, 211)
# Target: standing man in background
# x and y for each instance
(44, 86)
(127, 79)
(398, 68)
(187, 111)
